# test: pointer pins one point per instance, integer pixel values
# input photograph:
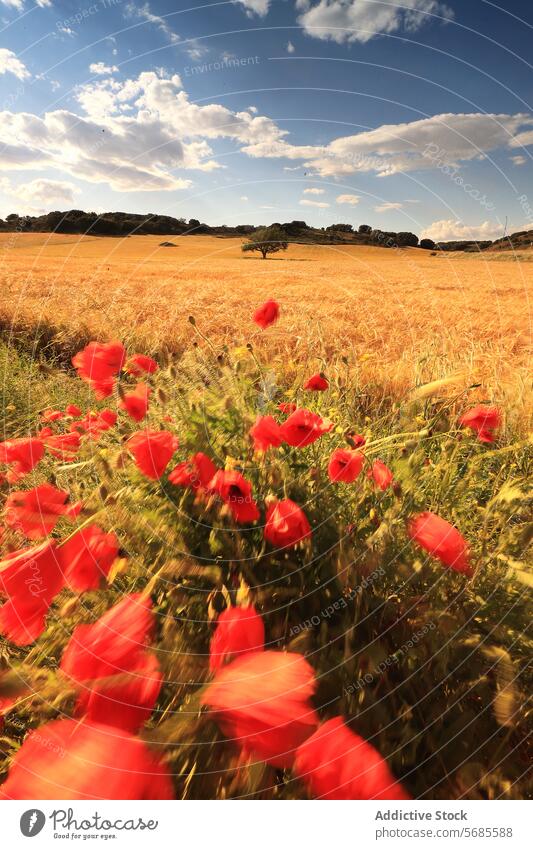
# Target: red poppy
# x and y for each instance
(267, 314)
(261, 701)
(29, 578)
(316, 383)
(52, 415)
(139, 364)
(381, 475)
(22, 455)
(94, 424)
(136, 402)
(286, 524)
(345, 465)
(72, 410)
(36, 511)
(335, 763)
(266, 433)
(87, 557)
(356, 440)
(303, 428)
(239, 630)
(152, 450)
(68, 759)
(98, 364)
(236, 492)
(483, 420)
(440, 539)
(195, 473)
(287, 407)
(118, 680)
(64, 446)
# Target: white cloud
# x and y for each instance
(347, 21)
(317, 203)
(145, 13)
(40, 194)
(290, 47)
(518, 160)
(388, 206)
(254, 7)
(65, 30)
(314, 191)
(19, 4)
(10, 64)
(440, 141)
(353, 200)
(101, 68)
(243, 198)
(451, 230)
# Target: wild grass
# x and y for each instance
(450, 712)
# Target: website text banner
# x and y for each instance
(264, 824)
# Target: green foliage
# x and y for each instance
(430, 666)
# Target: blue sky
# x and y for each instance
(409, 116)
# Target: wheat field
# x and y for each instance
(401, 317)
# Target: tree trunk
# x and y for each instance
(264, 254)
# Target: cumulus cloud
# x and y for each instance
(314, 191)
(441, 141)
(40, 194)
(101, 68)
(353, 200)
(290, 47)
(451, 230)
(348, 21)
(10, 64)
(317, 203)
(518, 160)
(254, 7)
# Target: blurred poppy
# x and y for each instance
(52, 415)
(139, 363)
(63, 446)
(303, 428)
(22, 455)
(136, 402)
(335, 763)
(118, 680)
(236, 492)
(345, 466)
(87, 557)
(239, 630)
(261, 701)
(316, 383)
(98, 364)
(266, 433)
(356, 440)
(286, 524)
(194, 473)
(440, 539)
(68, 759)
(287, 407)
(267, 314)
(152, 450)
(72, 410)
(35, 512)
(483, 420)
(29, 579)
(381, 475)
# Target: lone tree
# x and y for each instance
(267, 240)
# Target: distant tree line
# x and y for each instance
(76, 221)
